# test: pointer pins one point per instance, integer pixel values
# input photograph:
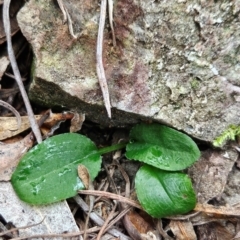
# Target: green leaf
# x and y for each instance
(163, 193)
(48, 172)
(161, 147)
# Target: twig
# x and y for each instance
(237, 148)
(14, 111)
(70, 25)
(60, 4)
(126, 220)
(183, 217)
(123, 206)
(84, 175)
(104, 226)
(67, 17)
(4, 93)
(12, 76)
(98, 220)
(116, 219)
(100, 69)
(110, 15)
(18, 228)
(161, 231)
(112, 196)
(58, 235)
(109, 177)
(126, 178)
(7, 28)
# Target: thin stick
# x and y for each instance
(183, 217)
(14, 111)
(86, 179)
(7, 28)
(58, 235)
(116, 219)
(18, 228)
(112, 196)
(4, 93)
(67, 18)
(60, 4)
(109, 177)
(98, 220)
(100, 69)
(104, 226)
(161, 231)
(126, 178)
(70, 25)
(110, 16)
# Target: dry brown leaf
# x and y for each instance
(7, 123)
(4, 62)
(213, 231)
(203, 218)
(55, 119)
(217, 210)
(48, 127)
(76, 122)
(210, 173)
(136, 225)
(83, 174)
(53, 122)
(14, 111)
(183, 230)
(10, 155)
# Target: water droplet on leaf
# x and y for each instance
(65, 170)
(156, 152)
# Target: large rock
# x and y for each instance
(175, 62)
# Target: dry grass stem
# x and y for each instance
(110, 173)
(100, 69)
(161, 231)
(110, 16)
(109, 218)
(116, 219)
(18, 228)
(67, 18)
(70, 25)
(98, 220)
(111, 196)
(7, 28)
(183, 217)
(60, 4)
(126, 178)
(86, 179)
(58, 235)
(14, 111)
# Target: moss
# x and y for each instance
(229, 134)
(194, 83)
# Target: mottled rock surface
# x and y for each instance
(175, 62)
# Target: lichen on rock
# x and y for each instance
(175, 62)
